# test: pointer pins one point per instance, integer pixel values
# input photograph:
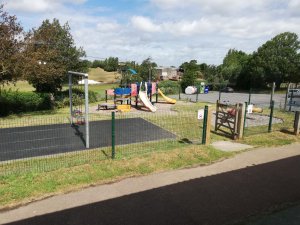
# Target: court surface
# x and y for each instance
(32, 141)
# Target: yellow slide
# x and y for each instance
(167, 99)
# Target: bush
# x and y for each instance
(168, 87)
(18, 102)
(62, 98)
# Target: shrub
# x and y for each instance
(168, 87)
(62, 98)
(18, 102)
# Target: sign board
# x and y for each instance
(249, 108)
(200, 114)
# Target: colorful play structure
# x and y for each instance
(138, 93)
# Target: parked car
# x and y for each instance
(294, 92)
(227, 89)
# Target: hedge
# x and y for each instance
(17, 102)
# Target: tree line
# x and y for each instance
(277, 60)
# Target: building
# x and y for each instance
(168, 73)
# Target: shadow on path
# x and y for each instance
(219, 199)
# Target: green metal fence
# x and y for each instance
(50, 142)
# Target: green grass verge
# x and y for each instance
(16, 189)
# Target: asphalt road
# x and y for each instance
(233, 98)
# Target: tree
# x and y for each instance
(146, 70)
(280, 58)
(233, 64)
(252, 74)
(11, 44)
(50, 52)
(190, 73)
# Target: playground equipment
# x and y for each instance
(108, 105)
(167, 99)
(84, 116)
(145, 100)
(123, 108)
(257, 110)
(125, 95)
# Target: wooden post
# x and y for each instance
(297, 123)
(241, 120)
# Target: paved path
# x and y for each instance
(227, 191)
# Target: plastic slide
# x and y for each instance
(146, 101)
(167, 99)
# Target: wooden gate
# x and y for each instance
(228, 119)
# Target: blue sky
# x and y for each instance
(169, 31)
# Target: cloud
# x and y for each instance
(106, 26)
(224, 7)
(144, 24)
(170, 31)
(39, 6)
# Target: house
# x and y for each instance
(168, 73)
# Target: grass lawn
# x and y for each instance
(100, 75)
(20, 86)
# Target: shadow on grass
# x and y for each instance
(220, 199)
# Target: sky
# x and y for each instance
(169, 31)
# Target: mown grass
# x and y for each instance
(100, 75)
(21, 188)
(18, 86)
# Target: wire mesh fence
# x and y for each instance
(267, 118)
(49, 143)
(44, 143)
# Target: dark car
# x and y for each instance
(227, 89)
(294, 93)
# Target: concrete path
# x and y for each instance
(227, 191)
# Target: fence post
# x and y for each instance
(297, 123)
(179, 91)
(156, 95)
(206, 125)
(113, 135)
(249, 99)
(220, 95)
(197, 93)
(272, 93)
(241, 120)
(271, 116)
(245, 117)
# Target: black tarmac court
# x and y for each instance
(32, 141)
